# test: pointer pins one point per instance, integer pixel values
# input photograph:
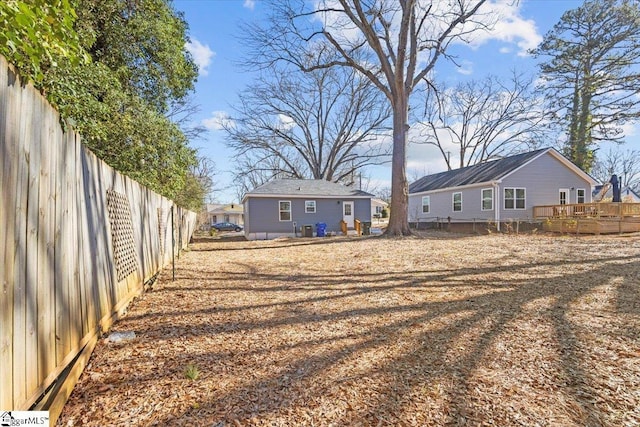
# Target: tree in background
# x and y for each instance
(482, 120)
(625, 164)
(35, 35)
(120, 97)
(591, 78)
(199, 185)
(395, 44)
(326, 124)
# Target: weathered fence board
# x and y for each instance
(6, 288)
(61, 285)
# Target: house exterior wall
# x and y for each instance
(542, 180)
(236, 218)
(441, 206)
(262, 215)
(376, 207)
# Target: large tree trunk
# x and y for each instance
(399, 217)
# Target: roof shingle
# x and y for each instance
(306, 187)
(476, 174)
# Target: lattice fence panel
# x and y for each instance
(124, 250)
(162, 230)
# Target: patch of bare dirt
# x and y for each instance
(440, 329)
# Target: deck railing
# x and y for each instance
(588, 210)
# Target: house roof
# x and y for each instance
(486, 172)
(306, 187)
(225, 209)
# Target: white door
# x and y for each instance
(347, 213)
(564, 196)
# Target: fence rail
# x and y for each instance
(78, 241)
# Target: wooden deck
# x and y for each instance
(590, 218)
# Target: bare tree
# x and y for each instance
(325, 124)
(181, 112)
(394, 43)
(625, 164)
(199, 184)
(252, 170)
(483, 120)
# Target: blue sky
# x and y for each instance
(213, 30)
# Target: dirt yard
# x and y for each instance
(498, 330)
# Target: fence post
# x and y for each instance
(173, 247)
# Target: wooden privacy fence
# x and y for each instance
(78, 241)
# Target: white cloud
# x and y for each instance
(509, 28)
(202, 55)
(218, 121)
(630, 129)
(465, 68)
(249, 4)
(286, 122)
(505, 49)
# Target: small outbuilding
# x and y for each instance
(302, 207)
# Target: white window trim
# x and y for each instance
(584, 195)
(482, 199)
(428, 205)
(453, 201)
(515, 199)
(280, 211)
(314, 206)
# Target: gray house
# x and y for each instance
(293, 207)
(500, 190)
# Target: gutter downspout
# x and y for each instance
(496, 187)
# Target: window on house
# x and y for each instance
(426, 204)
(487, 199)
(457, 202)
(581, 195)
(378, 209)
(310, 206)
(284, 210)
(514, 198)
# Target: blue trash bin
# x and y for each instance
(321, 229)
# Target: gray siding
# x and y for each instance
(442, 206)
(542, 180)
(262, 214)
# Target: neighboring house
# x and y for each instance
(500, 190)
(377, 206)
(233, 212)
(627, 194)
(287, 207)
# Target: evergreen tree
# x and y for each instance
(591, 78)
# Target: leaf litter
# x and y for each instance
(438, 329)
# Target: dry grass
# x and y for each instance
(435, 330)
